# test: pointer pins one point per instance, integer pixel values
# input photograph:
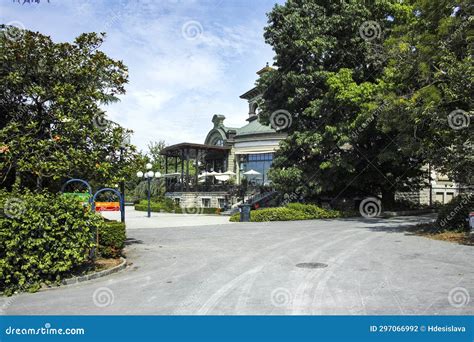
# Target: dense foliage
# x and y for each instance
(291, 212)
(52, 125)
(43, 238)
(368, 108)
(167, 205)
(112, 238)
(454, 215)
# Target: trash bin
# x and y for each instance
(245, 212)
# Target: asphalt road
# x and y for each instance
(373, 267)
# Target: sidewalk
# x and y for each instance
(138, 219)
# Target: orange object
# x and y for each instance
(107, 206)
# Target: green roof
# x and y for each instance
(254, 127)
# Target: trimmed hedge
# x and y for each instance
(43, 238)
(453, 215)
(159, 208)
(291, 212)
(112, 239)
(314, 211)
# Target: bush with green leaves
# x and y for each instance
(157, 204)
(291, 212)
(44, 238)
(112, 239)
(314, 211)
(453, 215)
(168, 206)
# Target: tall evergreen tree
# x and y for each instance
(329, 57)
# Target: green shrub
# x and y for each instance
(453, 215)
(112, 239)
(293, 211)
(235, 217)
(314, 211)
(159, 207)
(277, 214)
(43, 238)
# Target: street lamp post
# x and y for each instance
(125, 141)
(148, 175)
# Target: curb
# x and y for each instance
(95, 275)
(408, 212)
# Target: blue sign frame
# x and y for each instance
(115, 191)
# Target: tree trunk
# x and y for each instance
(39, 182)
(388, 199)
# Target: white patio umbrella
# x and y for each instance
(222, 177)
(229, 173)
(204, 174)
(252, 173)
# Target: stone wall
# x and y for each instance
(195, 199)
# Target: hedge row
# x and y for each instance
(159, 208)
(46, 237)
(291, 212)
(43, 238)
(453, 216)
(112, 239)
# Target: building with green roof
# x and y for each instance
(228, 156)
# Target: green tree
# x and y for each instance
(428, 84)
(329, 56)
(156, 159)
(52, 125)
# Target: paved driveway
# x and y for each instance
(373, 267)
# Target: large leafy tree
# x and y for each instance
(329, 57)
(428, 84)
(52, 125)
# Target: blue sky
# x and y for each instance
(187, 59)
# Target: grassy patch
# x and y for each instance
(431, 231)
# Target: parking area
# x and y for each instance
(344, 266)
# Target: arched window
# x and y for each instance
(217, 141)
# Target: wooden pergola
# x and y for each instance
(208, 156)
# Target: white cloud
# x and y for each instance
(176, 84)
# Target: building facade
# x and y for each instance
(208, 175)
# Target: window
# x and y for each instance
(206, 202)
(221, 202)
(440, 197)
(260, 162)
(217, 141)
(449, 197)
(176, 200)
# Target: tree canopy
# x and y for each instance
(345, 73)
(52, 123)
